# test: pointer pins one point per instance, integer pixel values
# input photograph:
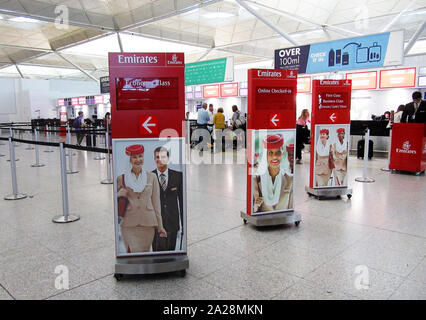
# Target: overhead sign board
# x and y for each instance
(398, 78)
(210, 71)
(372, 51)
(363, 80)
(104, 83)
(303, 84)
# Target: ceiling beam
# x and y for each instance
(414, 37)
(268, 23)
(120, 43)
(390, 24)
(205, 54)
(19, 71)
(171, 14)
(77, 67)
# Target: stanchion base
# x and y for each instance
(328, 192)
(1, 155)
(151, 265)
(29, 148)
(107, 181)
(72, 172)
(364, 179)
(272, 219)
(67, 155)
(66, 219)
(385, 169)
(98, 158)
(37, 165)
(18, 196)
(48, 151)
(8, 160)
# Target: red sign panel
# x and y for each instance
(229, 90)
(145, 85)
(147, 93)
(408, 147)
(331, 104)
(99, 99)
(81, 101)
(363, 80)
(398, 78)
(211, 91)
(60, 102)
(303, 84)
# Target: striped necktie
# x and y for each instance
(163, 181)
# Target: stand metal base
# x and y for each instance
(385, 169)
(272, 219)
(329, 192)
(151, 265)
(37, 165)
(48, 151)
(98, 158)
(72, 172)
(66, 219)
(29, 148)
(67, 154)
(1, 155)
(8, 160)
(18, 196)
(107, 181)
(365, 179)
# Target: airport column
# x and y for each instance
(330, 136)
(271, 136)
(147, 110)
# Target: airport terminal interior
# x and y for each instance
(80, 137)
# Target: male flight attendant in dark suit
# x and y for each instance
(171, 197)
(415, 111)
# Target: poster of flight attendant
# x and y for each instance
(331, 155)
(273, 162)
(149, 196)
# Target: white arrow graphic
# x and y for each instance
(274, 119)
(332, 117)
(146, 124)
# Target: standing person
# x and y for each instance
(238, 122)
(340, 155)
(219, 125)
(210, 123)
(397, 116)
(415, 111)
(322, 163)
(302, 134)
(202, 121)
(139, 203)
(171, 198)
(78, 124)
(272, 187)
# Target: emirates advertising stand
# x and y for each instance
(148, 107)
(271, 134)
(330, 136)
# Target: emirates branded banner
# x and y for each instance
(372, 51)
(408, 147)
(330, 133)
(271, 141)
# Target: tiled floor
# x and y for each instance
(380, 231)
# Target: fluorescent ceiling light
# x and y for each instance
(24, 19)
(217, 15)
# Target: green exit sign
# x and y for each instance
(210, 71)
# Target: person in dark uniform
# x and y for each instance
(171, 197)
(415, 111)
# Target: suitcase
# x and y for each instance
(360, 149)
(88, 140)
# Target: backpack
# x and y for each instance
(76, 124)
(241, 120)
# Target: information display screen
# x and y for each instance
(147, 93)
(398, 78)
(274, 98)
(363, 80)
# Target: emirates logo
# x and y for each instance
(406, 148)
(406, 145)
(174, 60)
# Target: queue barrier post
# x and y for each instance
(386, 168)
(48, 139)
(66, 217)
(11, 136)
(99, 156)
(68, 151)
(16, 195)
(70, 163)
(364, 177)
(30, 147)
(37, 155)
(108, 180)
